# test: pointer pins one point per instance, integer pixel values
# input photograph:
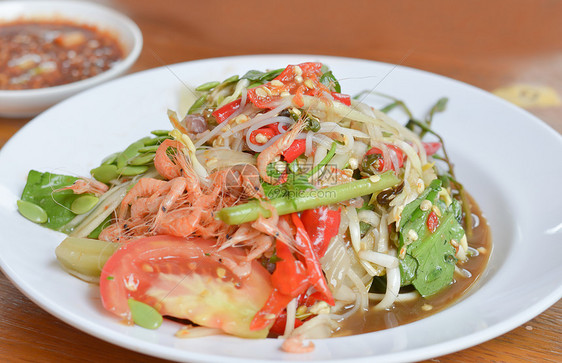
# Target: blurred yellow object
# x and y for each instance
(528, 96)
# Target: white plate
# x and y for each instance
(503, 156)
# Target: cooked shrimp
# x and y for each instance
(296, 345)
(143, 188)
(243, 234)
(181, 222)
(170, 168)
(271, 226)
(276, 149)
(86, 185)
(177, 187)
(259, 246)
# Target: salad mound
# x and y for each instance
(277, 206)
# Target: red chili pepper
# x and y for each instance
(290, 275)
(313, 266)
(297, 148)
(322, 224)
(267, 132)
(313, 298)
(225, 111)
(289, 280)
(431, 147)
(340, 97)
(290, 83)
(432, 222)
(278, 326)
(381, 167)
(273, 307)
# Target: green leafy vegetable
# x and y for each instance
(329, 80)
(258, 76)
(41, 189)
(429, 261)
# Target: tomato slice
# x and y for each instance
(187, 279)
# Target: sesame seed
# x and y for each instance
(426, 205)
(412, 235)
(276, 83)
(297, 70)
(298, 79)
(353, 163)
(309, 83)
(268, 91)
(261, 92)
(285, 94)
(261, 139)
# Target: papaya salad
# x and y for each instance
(278, 206)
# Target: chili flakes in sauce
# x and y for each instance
(38, 54)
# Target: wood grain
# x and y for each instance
(487, 44)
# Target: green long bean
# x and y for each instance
(309, 199)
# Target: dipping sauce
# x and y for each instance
(38, 54)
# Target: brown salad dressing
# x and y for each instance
(407, 312)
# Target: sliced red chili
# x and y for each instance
(380, 166)
(314, 269)
(343, 98)
(322, 224)
(266, 133)
(297, 148)
(225, 111)
(432, 222)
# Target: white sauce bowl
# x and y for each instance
(26, 103)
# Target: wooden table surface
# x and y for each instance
(488, 44)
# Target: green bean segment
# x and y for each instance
(307, 199)
(32, 211)
(156, 141)
(231, 79)
(111, 159)
(160, 132)
(197, 104)
(105, 173)
(132, 170)
(148, 149)
(207, 86)
(142, 159)
(84, 204)
(144, 315)
(129, 152)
